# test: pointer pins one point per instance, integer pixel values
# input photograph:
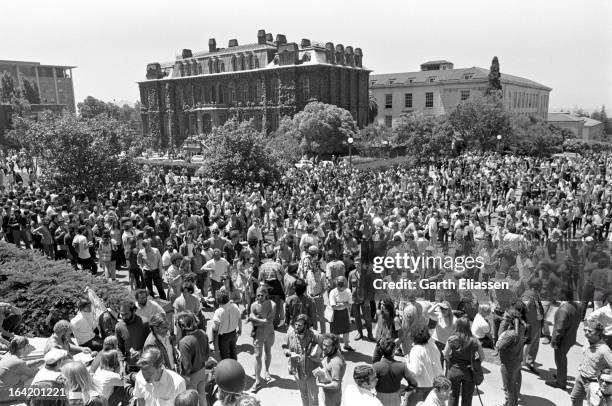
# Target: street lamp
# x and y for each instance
(499, 137)
(385, 144)
(350, 142)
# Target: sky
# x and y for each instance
(563, 44)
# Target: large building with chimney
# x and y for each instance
(200, 90)
(439, 87)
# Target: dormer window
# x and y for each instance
(468, 76)
(432, 79)
(391, 81)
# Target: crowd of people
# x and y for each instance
(296, 257)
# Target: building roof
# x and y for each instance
(447, 76)
(564, 117)
(233, 50)
(442, 61)
(590, 122)
(27, 63)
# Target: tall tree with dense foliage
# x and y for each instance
(323, 129)
(372, 108)
(239, 153)
(423, 136)
(494, 78)
(7, 87)
(480, 120)
(532, 136)
(92, 107)
(78, 154)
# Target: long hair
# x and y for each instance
(78, 378)
(463, 332)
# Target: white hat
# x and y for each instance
(55, 355)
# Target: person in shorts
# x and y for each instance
(262, 318)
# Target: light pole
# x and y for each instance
(499, 137)
(385, 144)
(350, 142)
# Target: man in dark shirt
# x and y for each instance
(299, 304)
(567, 321)
(194, 351)
(131, 334)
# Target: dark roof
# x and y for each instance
(435, 62)
(448, 75)
(239, 48)
(563, 117)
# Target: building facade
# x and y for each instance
(198, 91)
(438, 88)
(584, 128)
(54, 82)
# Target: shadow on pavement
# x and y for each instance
(529, 400)
(355, 356)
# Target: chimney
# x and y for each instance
(269, 37)
(186, 54)
(305, 43)
(329, 53)
(261, 37)
(154, 71)
(340, 54)
(358, 58)
(280, 39)
(349, 56)
(212, 45)
(232, 43)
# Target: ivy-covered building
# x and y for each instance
(262, 81)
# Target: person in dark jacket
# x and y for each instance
(510, 348)
(195, 352)
(131, 332)
(567, 321)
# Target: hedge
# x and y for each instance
(46, 290)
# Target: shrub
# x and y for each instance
(46, 290)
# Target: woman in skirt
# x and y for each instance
(340, 300)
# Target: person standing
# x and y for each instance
(390, 374)
(567, 321)
(227, 326)
(460, 351)
(316, 284)
(271, 273)
(149, 260)
(603, 315)
(147, 308)
(218, 270)
(341, 299)
(262, 317)
(510, 348)
(131, 332)
(424, 363)
(360, 307)
(84, 326)
(299, 304)
(299, 344)
(534, 315)
(155, 385)
(335, 367)
(596, 357)
(82, 245)
(161, 339)
(195, 351)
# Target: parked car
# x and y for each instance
(327, 164)
(197, 158)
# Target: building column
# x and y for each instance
(55, 83)
(200, 129)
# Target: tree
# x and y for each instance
(323, 128)
(30, 92)
(92, 107)
(602, 116)
(480, 120)
(372, 108)
(534, 137)
(239, 153)
(423, 136)
(7, 88)
(78, 154)
(285, 143)
(494, 78)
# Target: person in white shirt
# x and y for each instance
(424, 362)
(156, 385)
(51, 370)
(146, 308)
(361, 393)
(481, 328)
(218, 270)
(440, 394)
(227, 326)
(84, 326)
(603, 315)
(107, 376)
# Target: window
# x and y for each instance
(275, 87)
(388, 121)
(245, 92)
(429, 99)
(468, 76)
(432, 79)
(306, 88)
(391, 81)
(408, 100)
(465, 94)
(388, 101)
